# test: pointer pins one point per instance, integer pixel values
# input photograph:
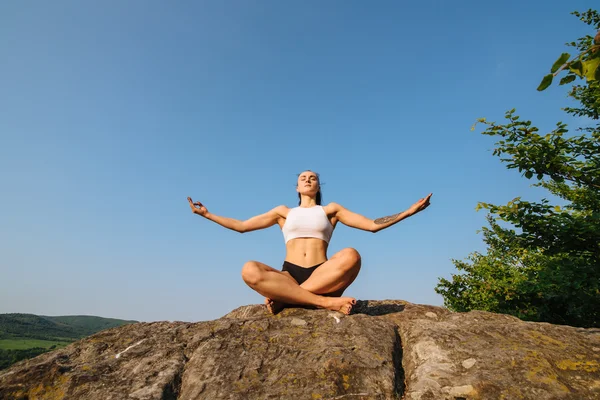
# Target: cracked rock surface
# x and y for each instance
(385, 350)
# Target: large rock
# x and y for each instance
(385, 350)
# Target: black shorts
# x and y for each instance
(300, 274)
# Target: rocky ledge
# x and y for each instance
(385, 350)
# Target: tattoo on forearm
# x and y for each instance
(384, 220)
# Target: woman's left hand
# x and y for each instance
(420, 205)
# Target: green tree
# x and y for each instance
(546, 265)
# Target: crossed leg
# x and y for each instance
(335, 275)
(323, 289)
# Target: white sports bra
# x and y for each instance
(307, 222)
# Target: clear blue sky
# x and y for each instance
(112, 113)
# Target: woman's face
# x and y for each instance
(308, 183)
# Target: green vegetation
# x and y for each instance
(9, 357)
(25, 336)
(549, 270)
(15, 326)
(87, 325)
(586, 64)
(22, 344)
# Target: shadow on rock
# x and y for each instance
(375, 308)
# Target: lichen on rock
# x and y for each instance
(385, 350)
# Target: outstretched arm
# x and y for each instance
(262, 221)
(358, 221)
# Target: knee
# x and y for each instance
(351, 256)
(251, 273)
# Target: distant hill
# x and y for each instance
(30, 326)
(21, 326)
(27, 335)
(87, 325)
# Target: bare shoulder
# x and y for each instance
(281, 211)
(332, 208)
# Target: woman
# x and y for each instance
(307, 276)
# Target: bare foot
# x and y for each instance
(274, 306)
(341, 304)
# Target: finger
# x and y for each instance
(190, 200)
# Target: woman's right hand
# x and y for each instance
(197, 207)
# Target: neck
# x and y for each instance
(307, 201)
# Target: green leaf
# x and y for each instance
(564, 57)
(528, 174)
(589, 68)
(545, 82)
(567, 79)
(577, 67)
